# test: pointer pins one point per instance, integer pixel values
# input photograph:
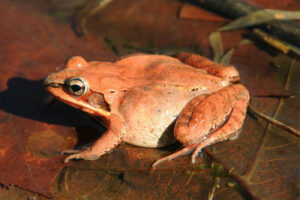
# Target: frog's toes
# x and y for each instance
(86, 155)
(67, 159)
(235, 135)
(69, 151)
(184, 151)
(194, 155)
(198, 149)
(74, 156)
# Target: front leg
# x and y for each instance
(109, 141)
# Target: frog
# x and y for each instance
(152, 101)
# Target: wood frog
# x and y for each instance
(153, 100)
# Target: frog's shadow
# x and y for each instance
(29, 99)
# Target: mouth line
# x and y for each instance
(53, 84)
(75, 103)
(84, 107)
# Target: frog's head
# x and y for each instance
(74, 86)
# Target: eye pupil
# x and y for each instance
(75, 88)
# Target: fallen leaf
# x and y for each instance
(268, 167)
(262, 162)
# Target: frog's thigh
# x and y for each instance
(203, 116)
(232, 127)
(219, 123)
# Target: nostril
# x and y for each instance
(55, 85)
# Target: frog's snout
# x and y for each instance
(49, 81)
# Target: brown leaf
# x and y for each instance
(268, 156)
(263, 160)
(257, 73)
(125, 174)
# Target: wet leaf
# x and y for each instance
(263, 161)
(91, 8)
(268, 169)
(13, 192)
(226, 58)
(124, 173)
(257, 74)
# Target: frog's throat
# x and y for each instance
(84, 106)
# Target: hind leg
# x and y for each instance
(228, 72)
(208, 120)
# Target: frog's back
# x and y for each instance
(164, 70)
(155, 64)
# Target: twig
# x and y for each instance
(212, 193)
(274, 121)
(288, 31)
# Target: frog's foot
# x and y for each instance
(185, 151)
(84, 154)
(106, 143)
(69, 151)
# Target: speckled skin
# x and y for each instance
(140, 97)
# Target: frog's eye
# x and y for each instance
(76, 86)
